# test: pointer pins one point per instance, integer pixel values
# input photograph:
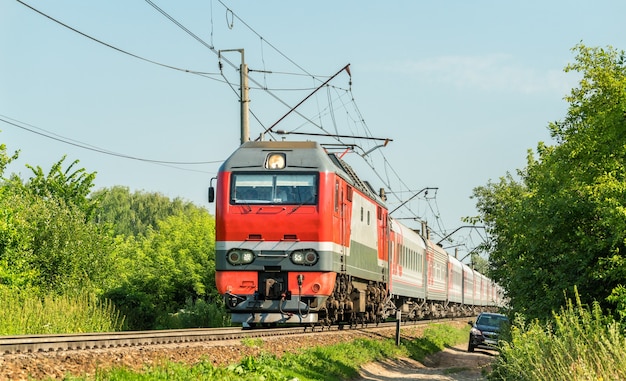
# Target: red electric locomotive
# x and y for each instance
(300, 239)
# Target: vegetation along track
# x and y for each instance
(54, 356)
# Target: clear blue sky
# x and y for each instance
(464, 88)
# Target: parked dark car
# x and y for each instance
(485, 332)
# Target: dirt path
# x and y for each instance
(452, 364)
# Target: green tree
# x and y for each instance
(70, 187)
(135, 213)
(166, 268)
(46, 241)
(5, 159)
(564, 223)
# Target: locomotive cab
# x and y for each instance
(272, 262)
(299, 238)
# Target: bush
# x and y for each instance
(46, 245)
(163, 271)
(136, 306)
(197, 313)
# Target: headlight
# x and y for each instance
(239, 257)
(275, 161)
(475, 331)
(310, 257)
(307, 257)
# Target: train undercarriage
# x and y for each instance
(353, 302)
(356, 301)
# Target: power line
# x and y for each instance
(221, 57)
(359, 119)
(181, 26)
(263, 39)
(89, 147)
(190, 71)
(204, 74)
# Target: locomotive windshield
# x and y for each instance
(264, 188)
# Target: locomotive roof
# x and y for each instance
(301, 155)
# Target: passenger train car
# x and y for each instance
(301, 239)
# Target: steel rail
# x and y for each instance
(60, 342)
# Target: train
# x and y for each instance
(301, 239)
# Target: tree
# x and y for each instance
(135, 213)
(5, 159)
(47, 243)
(564, 223)
(72, 188)
(166, 267)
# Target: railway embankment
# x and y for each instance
(217, 353)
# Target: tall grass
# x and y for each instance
(579, 344)
(27, 313)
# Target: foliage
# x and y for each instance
(435, 338)
(336, 362)
(154, 258)
(166, 269)
(580, 344)
(5, 159)
(479, 263)
(618, 297)
(71, 188)
(46, 245)
(197, 314)
(564, 223)
(24, 312)
(134, 214)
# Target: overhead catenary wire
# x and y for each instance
(206, 74)
(200, 73)
(268, 130)
(387, 165)
(384, 177)
(90, 147)
(268, 43)
(126, 52)
(271, 93)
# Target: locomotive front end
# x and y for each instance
(273, 258)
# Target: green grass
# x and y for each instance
(435, 339)
(27, 313)
(329, 363)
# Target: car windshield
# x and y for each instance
(492, 320)
(272, 188)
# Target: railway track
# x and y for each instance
(87, 341)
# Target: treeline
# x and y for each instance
(139, 259)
